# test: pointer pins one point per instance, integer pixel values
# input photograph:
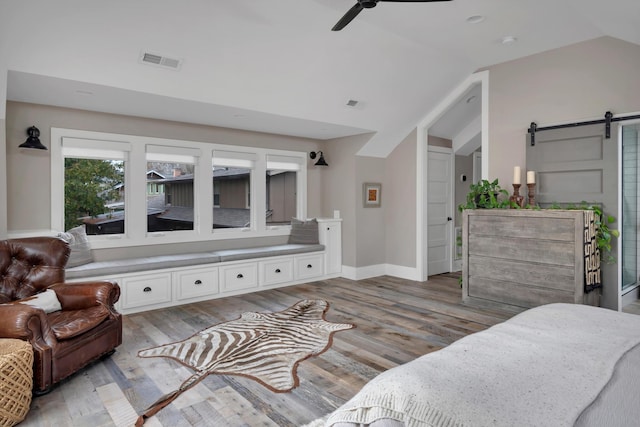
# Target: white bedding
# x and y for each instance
(555, 365)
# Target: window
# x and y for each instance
(132, 190)
(170, 175)
(94, 185)
(282, 189)
(232, 175)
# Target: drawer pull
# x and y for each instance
(198, 282)
(277, 270)
(146, 289)
(239, 276)
(309, 266)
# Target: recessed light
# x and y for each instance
(239, 116)
(84, 92)
(508, 39)
(475, 19)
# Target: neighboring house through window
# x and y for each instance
(135, 188)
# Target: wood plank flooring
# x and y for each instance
(397, 320)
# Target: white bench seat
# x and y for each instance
(124, 266)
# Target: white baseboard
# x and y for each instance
(360, 273)
(408, 273)
(349, 272)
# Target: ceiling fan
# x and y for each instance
(366, 4)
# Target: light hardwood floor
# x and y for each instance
(397, 321)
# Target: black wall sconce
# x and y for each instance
(321, 161)
(33, 141)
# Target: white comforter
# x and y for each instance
(543, 367)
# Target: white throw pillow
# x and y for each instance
(47, 301)
(79, 244)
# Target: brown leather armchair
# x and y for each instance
(64, 341)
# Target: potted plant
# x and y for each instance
(486, 195)
(604, 234)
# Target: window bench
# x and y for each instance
(133, 265)
(165, 280)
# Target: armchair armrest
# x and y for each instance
(24, 322)
(77, 296)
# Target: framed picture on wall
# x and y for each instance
(371, 194)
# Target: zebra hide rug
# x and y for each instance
(266, 347)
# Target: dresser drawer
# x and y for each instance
(239, 276)
(308, 266)
(144, 290)
(276, 271)
(196, 283)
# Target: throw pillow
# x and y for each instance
(47, 301)
(79, 244)
(304, 232)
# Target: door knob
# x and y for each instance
(449, 218)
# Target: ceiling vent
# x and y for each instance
(160, 60)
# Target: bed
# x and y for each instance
(553, 365)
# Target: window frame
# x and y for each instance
(240, 157)
(280, 162)
(171, 153)
(136, 187)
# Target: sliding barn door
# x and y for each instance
(574, 165)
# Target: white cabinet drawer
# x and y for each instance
(276, 271)
(308, 266)
(239, 276)
(196, 283)
(144, 290)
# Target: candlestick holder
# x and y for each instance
(517, 198)
(532, 194)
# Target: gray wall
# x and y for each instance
(3, 178)
(399, 201)
(464, 166)
(577, 82)
(28, 171)
(370, 222)
(341, 192)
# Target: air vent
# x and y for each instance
(160, 60)
(352, 103)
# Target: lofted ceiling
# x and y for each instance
(275, 65)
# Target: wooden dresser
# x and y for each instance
(524, 258)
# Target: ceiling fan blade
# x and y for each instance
(348, 17)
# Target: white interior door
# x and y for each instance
(439, 210)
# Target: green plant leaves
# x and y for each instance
(486, 195)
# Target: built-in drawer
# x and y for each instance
(146, 289)
(276, 271)
(308, 266)
(196, 282)
(239, 276)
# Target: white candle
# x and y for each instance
(531, 177)
(516, 175)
